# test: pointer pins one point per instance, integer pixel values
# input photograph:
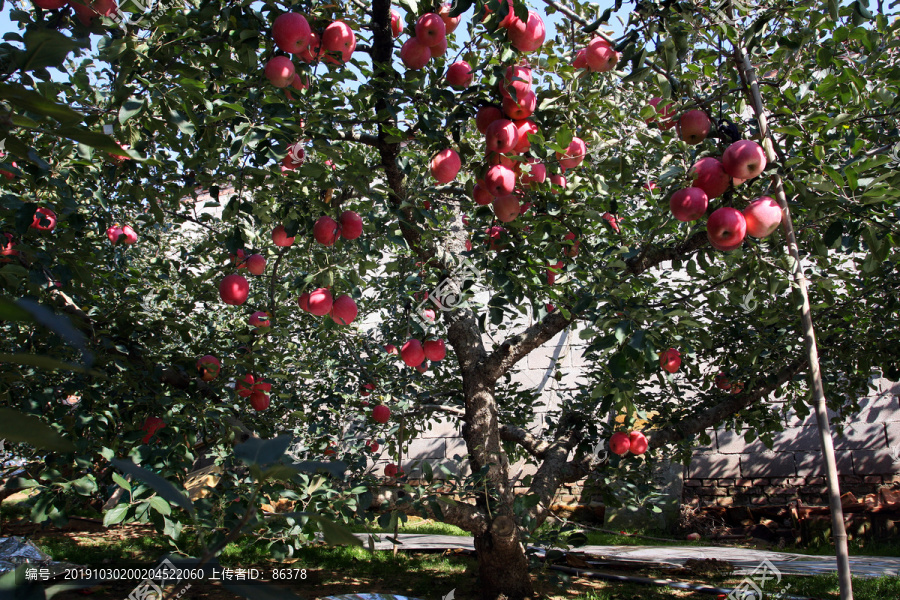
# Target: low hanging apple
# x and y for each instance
(303, 301)
(320, 302)
(391, 470)
(485, 116)
(256, 264)
(234, 289)
(351, 225)
(280, 71)
(280, 237)
(574, 154)
(670, 360)
(435, 350)
(460, 75)
(445, 165)
(381, 414)
(414, 54)
(637, 442)
(726, 228)
(763, 216)
(694, 126)
(260, 320)
(44, 219)
(688, 204)
(344, 310)
(412, 353)
(619, 443)
(338, 38)
(709, 175)
(151, 426)
(744, 159)
(372, 446)
(124, 234)
(326, 231)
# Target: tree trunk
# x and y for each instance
(502, 564)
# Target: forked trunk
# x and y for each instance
(502, 564)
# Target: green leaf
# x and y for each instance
(17, 427)
(130, 108)
(30, 101)
(334, 534)
(158, 504)
(121, 482)
(162, 487)
(256, 451)
(115, 515)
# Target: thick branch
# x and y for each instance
(650, 257)
(462, 514)
(535, 446)
(517, 347)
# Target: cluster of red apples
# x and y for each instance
(598, 56)
(622, 443)
(293, 35)
(86, 10)
(430, 40)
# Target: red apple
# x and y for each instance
(558, 181)
(256, 264)
(688, 204)
(613, 221)
(128, 235)
(234, 289)
(744, 159)
(666, 114)
(500, 181)
(516, 82)
(298, 83)
(638, 442)
(280, 238)
(351, 225)
(280, 71)
(459, 75)
(209, 367)
(430, 29)
(507, 208)
(501, 136)
(435, 350)
(338, 38)
(291, 32)
(553, 271)
(313, 50)
(726, 228)
(87, 11)
(601, 56)
(396, 23)
(260, 320)
(51, 5)
(670, 360)
(495, 158)
(649, 186)
(391, 349)
(522, 108)
(151, 426)
(580, 60)
(366, 389)
(573, 250)
(372, 446)
(320, 302)
(763, 216)
(709, 176)
(295, 156)
(525, 128)
(538, 173)
(574, 154)
(485, 116)
(7, 246)
(722, 382)
(481, 196)
(450, 23)
(439, 49)
(381, 413)
(391, 470)
(259, 400)
(619, 443)
(414, 54)
(527, 36)
(114, 233)
(693, 126)
(494, 236)
(445, 165)
(326, 231)
(44, 219)
(344, 310)
(303, 301)
(412, 353)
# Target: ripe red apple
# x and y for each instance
(763, 216)
(495, 235)
(280, 238)
(303, 301)
(495, 158)
(558, 181)
(209, 367)
(522, 108)
(291, 32)
(338, 38)
(485, 116)
(507, 208)
(573, 250)
(414, 54)
(7, 246)
(372, 446)
(412, 353)
(259, 400)
(234, 289)
(114, 233)
(439, 49)
(726, 228)
(326, 231)
(501, 136)
(450, 23)
(527, 36)
(500, 181)
(128, 235)
(460, 75)
(619, 443)
(435, 350)
(260, 320)
(280, 71)
(344, 310)
(525, 128)
(481, 196)
(313, 50)
(574, 154)
(601, 56)
(638, 442)
(744, 159)
(391, 470)
(445, 165)
(670, 360)
(396, 24)
(693, 126)
(580, 60)
(151, 425)
(256, 264)
(722, 382)
(320, 302)
(538, 173)
(666, 114)
(391, 349)
(516, 81)
(87, 11)
(44, 219)
(430, 29)
(381, 413)
(709, 176)
(366, 389)
(51, 5)
(351, 225)
(612, 220)
(688, 204)
(553, 271)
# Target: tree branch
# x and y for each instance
(462, 514)
(532, 444)
(517, 347)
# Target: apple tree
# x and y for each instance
(217, 216)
